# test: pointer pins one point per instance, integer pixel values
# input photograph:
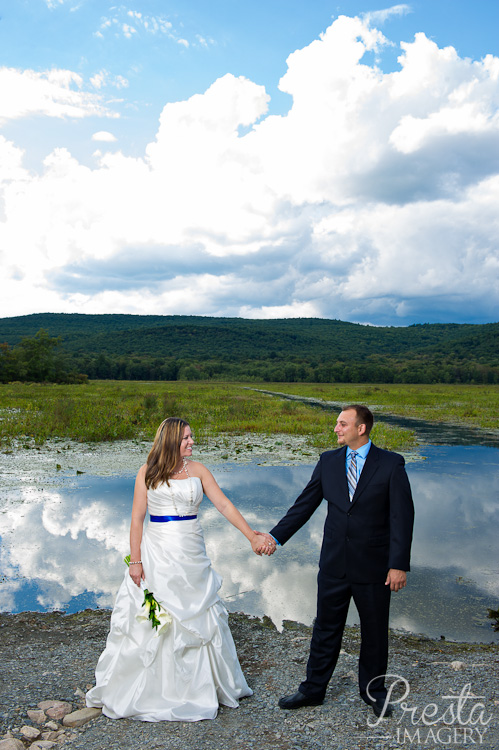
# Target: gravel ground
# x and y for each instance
(52, 655)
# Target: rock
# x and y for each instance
(52, 704)
(11, 744)
(42, 745)
(31, 733)
(53, 725)
(50, 736)
(457, 665)
(57, 710)
(80, 694)
(78, 718)
(37, 715)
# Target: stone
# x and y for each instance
(457, 665)
(79, 693)
(58, 710)
(50, 736)
(78, 718)
(31, 733)
(42, 745)
(37, 715)
(11, 744)
(51, 703)
(53, 725)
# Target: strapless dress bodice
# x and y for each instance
(180, 497)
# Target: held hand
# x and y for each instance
(137, 573)
(256, 544)
(266, 544)
(396, 579)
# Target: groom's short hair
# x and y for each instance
(364, 415)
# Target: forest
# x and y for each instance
(59, 347)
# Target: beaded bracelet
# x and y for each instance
(137, 562)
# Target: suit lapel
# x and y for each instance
(367, 473)
(338, 472)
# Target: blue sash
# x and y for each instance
(163, 519)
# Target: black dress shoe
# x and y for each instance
(297, 700)
(380, 708)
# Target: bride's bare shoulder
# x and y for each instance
(196, 468)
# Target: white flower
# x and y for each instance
(143, 613)
(165, 619)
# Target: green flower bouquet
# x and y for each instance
(152, 610)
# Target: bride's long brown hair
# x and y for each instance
(165, 451)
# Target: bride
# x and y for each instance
(185, 667)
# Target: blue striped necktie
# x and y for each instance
(352, 474)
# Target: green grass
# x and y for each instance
(470, 405)
(119, 410)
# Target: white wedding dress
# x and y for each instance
(184, 673)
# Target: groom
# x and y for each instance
(365, 554)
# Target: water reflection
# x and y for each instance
(63, 546)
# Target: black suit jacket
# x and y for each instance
(364, 538)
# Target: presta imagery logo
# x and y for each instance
(458, 720)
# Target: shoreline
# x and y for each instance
(52, 656)
(26, 463)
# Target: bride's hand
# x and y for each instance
(256, 544)
(137, 573)
(265, 544)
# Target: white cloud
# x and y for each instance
(204, 41)
(294, 310)
(104, 135)
(11, 158)
(52, 93)
(374, 199)
(128, 23)
(128, 30)
(103, 78)
(380, 16)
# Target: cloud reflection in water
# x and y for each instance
(63, 548)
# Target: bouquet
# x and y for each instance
(152, 610)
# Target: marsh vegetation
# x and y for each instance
(120, 410)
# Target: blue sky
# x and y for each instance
(264, 159)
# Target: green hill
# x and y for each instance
(307, 349)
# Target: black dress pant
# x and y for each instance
(373, 604)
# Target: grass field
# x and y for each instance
(471, 405)
(116, 410)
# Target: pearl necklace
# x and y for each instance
(190, 505)
(184, 468)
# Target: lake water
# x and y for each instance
(63, 545)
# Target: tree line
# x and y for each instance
(44, 358)
(38, 359)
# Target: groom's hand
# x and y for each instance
(396, 579)
(268, 544)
